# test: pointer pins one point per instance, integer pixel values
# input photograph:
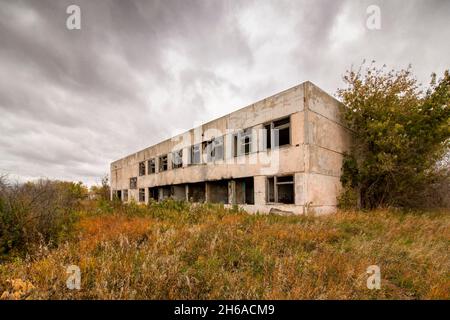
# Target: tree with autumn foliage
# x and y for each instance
(401, 139)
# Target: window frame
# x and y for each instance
(151, 166)
(276, 200)
(142, 168)
(133, 183)
(269, 135)
(193, 152)
(211, 148)
(141, 192)
(163, 160)
(177, 155)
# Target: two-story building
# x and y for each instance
(281, 153)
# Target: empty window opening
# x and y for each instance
(166, 192)
(278, 133)
(153, 193)
(178, 192)
(125, 195)
(218, 191)
(268, 136)
(152, 166)
(271, 189)
(235, 145)
(163, 163)
(177, 159)
(244, 192)
(196, 192)
(195, 154)
(141, 195)
(118, 195)
(280, 189)
(142, 168)
(133, 183)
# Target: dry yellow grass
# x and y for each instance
(208, 252)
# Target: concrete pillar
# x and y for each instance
(207, 192)
(260, 190)
(160, 194)
(231, 192)
(186, 188)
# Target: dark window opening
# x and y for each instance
(278, 133)
(196, 192)
(119, 195)
(177, 159)
(163, 163)
(142, 168)
(153, 194)
(218, 191)
(141, 195)
(166, 192)
(151, 166)
(280, 189)
(271, 189)
(235, 145)
(268, 136)
(245, 191)
(133, 183)
(178, 192)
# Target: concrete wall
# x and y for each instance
(313, 157)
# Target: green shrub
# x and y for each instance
(401, 138)
(36, 213)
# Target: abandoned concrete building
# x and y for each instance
(283, 153)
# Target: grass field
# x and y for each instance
(178, 251)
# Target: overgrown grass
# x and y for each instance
(175, 250)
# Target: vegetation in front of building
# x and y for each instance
(177, 250)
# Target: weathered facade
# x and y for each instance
(281, 153)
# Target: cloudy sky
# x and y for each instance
(137, 72)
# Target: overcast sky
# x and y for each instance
(138, 72)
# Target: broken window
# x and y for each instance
(218, 148)
(177, 159)
(141, 195)
(244, 191)
(152, 166)
(125, 195)
(277, 133)
(119, 194)
(214, 149)
(165, 192)
(142, 168)
(218, 191)
(280, 189)
(153, 193)
(196, 192)
(196, 154)
(133, 183)
(163, 163)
